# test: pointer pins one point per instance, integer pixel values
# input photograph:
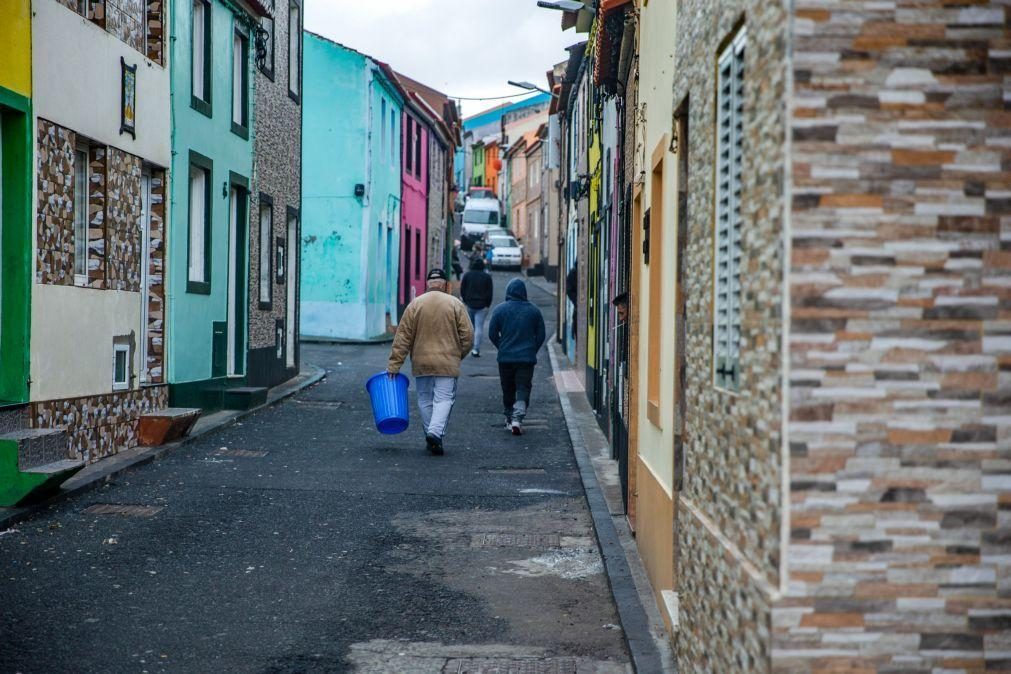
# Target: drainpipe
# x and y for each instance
(367, 200)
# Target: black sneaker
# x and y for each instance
(434, 445)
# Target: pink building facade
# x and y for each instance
(414, 207)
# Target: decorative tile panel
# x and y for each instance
(123, 212)
(101, 425)
(55, 193)
(156, 282)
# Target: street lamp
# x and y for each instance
(529, 86)
(564, 5)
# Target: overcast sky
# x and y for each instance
(460, 47)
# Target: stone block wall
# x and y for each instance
(155, 18)
(97, 172)
(99, 425)
(55, 195)
(729, 513)
(437, 216)
(124, 209)
(278, 157)
(900, 363)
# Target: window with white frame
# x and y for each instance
(199, 225)
(727, 263)
(240, 83)
(294, 50)
(120, 366)
(201, 52)
(266, 235)
(81, 197)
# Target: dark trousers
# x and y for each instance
(517, 382)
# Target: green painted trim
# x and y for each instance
(16, 245)
(17, 487)
(204, 162)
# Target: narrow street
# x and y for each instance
(299, 539)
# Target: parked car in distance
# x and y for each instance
(478, 216)
(505, 252)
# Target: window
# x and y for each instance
(81, 198)
(266, 234)
(294, 51)
(240, 84)
(120, 366)
(417, 150)
(199, 264)
(417, 254)
(201, 56)
(393, 134)
(382, 123)
(409, 144)
(727, 271)
(266, 39)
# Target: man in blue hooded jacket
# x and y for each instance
(517, 329)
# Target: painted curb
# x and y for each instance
(115, 468)
(642, 644)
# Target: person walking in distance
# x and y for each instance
(517, 329)
(476, 291)
(436, 333)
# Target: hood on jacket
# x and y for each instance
(516, 290)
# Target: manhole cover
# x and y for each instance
(515, 471)
(123, 510)
(510, 666)
(491, 540)
(240, 453)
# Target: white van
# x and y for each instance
(478, 216)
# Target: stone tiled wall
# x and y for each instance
(278, 174)
(156, 282)
(900, 392)
(155, 46)
(730, 510)
(123, 213)
(55, 214)
(97, 172)
(125, 20)
(436, 204)
(100, 425)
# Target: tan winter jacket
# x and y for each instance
(436, 333)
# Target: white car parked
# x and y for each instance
(505, 252)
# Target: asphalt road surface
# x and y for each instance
(302, 540)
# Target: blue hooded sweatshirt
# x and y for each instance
(517, 327)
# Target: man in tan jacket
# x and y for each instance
(437, 334)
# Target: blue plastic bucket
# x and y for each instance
(389, 402)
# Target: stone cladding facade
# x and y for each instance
(278, 172)
(155, 45)
(101, 425)
(97, 173)
(729, 512)
(900, 348)
(437, 217)
(124, 209)
(128, 20)
(155, 364)
(54, 228)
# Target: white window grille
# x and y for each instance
(727, 272)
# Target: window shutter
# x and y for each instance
(727, 272)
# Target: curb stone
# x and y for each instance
(640, 617)
(107, 469)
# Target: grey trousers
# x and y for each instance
(436, 396)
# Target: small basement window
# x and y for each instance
(120, 367)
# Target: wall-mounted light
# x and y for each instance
(359, 190)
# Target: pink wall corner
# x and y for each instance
(414, 210)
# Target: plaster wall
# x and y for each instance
(76, 60)
(191, 315)
(414, 214)
(72, 355)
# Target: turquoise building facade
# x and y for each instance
(212, 60)
(351, 193)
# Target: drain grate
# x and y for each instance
(515, 471)
(240, 453)
(123, 510)
(492, 540)
(510, 666)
